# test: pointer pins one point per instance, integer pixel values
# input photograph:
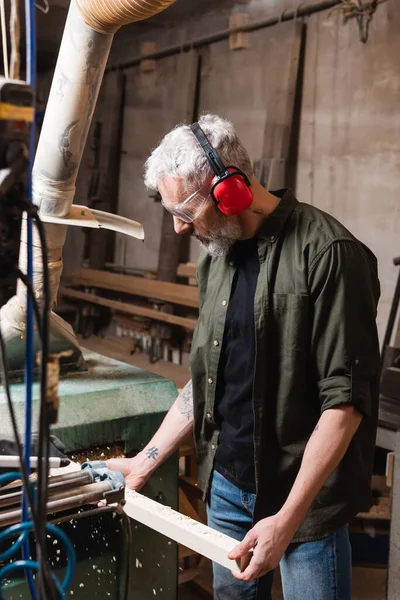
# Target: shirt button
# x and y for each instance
(210, 380)
(231, 263)
(216, 343)
(224, 303)
(209, 416)
(272, 238)
(213, 446)
(356, 362)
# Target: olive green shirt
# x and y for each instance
(316, 348)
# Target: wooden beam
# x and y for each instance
(184, 530)
(187, 270)
(161, 290)
(120, 348)
(239, 40)
(394, 551)
(190, 486)
(147, 65)
(271, 171)
(130, 309)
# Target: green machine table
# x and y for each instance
(111, 403)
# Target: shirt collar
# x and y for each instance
(272, 225)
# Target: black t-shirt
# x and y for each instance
(234, 458)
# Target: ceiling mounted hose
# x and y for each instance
(106, 16)
(84, 50)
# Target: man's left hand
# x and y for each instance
(269, 540)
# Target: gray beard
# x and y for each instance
(219, 247)
(221, 239)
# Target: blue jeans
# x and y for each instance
(319, 570)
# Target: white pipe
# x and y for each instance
(83, 55)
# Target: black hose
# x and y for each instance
(44, 423)
(25, 479)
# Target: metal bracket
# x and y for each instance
(82, 216)
(115, 496)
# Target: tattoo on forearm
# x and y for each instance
(152, 452)
(315, 429)
(185, 401)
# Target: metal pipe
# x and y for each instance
(83, 55)
(223, 34)
(83, 514)
(74, 478)
(58, 488)
(87, 494)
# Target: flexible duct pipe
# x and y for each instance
(83, 54)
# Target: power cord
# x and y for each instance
(23, 475)
(44, 421)
(31, 54)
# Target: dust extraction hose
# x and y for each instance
(82, 59)
(106, 17)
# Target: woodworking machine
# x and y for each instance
(110, 404)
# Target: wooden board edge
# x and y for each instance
(182, 529)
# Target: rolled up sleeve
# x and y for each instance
(344, 290)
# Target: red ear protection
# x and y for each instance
(231, 188)
(232, 193)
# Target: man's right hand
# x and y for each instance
(175, 428)
(135, 472)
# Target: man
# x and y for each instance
(285, 365)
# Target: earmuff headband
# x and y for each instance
(212, 156)
(230, 188)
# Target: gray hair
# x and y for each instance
(179, 154)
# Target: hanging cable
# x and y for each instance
(4, 38)
(44, 422)
(34, 508)
(31, 79)
(15, 36)
(361, 10)
(23, 474)
(57, 533)
(46, 585)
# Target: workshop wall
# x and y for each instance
(346, 152)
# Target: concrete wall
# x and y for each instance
(349, 144)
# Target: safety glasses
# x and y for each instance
(191, 208)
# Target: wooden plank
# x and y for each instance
(147, 65)
(155, 103)
(175, 293)
(187, 270)
(186, 450)
(120, 349)
(394, 552)
(277, 132)
(187, 575)
(184, 270)
(131, 322)
(239, 40)
(389, 469)
(173, 246)
(380, 510)
(130, 309)
(185, 552)
(186, 508)
(190, 486)
(184, 530)
(253, 78)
